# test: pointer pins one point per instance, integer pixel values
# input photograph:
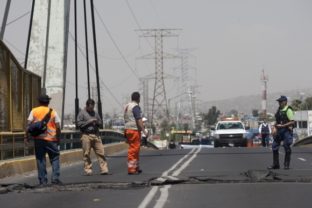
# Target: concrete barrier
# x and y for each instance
(306, 142)
(27, 164)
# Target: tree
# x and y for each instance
(307, 105)
(296, 104)
(255, 112)
(211, 117)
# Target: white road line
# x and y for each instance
(178, 163)
(177, 172)
(164, 193)
(165, 190)
(302, 159)
(151, 194)
(149, 197)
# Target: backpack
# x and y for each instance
(39, 127)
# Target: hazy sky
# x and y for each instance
(231, 41)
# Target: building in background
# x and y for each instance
(303, 123)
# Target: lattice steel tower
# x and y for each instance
(159, 103)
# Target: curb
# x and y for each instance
(26, 164)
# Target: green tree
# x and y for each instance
(211, 117)
(255, 112)
(296, 104)
(299, 105)
(307, 105)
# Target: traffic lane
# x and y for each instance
(256, 195)
(246, 165)
(108, 190)
(152, 162)
(108, 198)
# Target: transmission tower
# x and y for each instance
(159, 103)
(187, 102)
(146, 99)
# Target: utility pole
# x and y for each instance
(264, 79)
(159, 104)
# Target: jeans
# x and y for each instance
(41, 148)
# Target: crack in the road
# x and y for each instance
(250, 176)
(21, 188)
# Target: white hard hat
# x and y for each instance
(144, 119)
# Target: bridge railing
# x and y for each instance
(12, 143)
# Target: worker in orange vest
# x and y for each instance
(133, 128)
(46, 142)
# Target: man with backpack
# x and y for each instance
(45, 141)
(284, 132)
(265, 131)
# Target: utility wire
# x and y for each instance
(93, 68)
(115, 44)
(17, 18)
(137, 22)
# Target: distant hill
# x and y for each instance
(245, 104)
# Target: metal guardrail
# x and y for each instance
(12, 143)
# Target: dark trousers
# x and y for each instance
(41, 148)
(286, 136)
(265, 140)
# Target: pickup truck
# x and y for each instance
(230, 133)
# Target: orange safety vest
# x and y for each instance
(50, 133)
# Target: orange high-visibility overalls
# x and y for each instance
(133, 136)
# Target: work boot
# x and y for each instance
(287, 160)
(275, 161)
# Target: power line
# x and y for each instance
(136, 21)
(93, 68)
(17, 18)
(115, 44)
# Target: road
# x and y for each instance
(215, 177)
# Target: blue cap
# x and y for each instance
(282, 98)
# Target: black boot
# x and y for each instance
(275, 161)
(287, 160)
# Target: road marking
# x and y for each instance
(164, 194)
(164, 191)
(302, 159)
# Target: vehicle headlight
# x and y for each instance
(217, 136)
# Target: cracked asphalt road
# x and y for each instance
(221, 177)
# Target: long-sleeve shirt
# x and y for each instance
(265, 128)
(89, 122)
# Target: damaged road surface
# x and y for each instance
(221, 177)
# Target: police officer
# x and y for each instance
(284, 132)
(265, 131)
